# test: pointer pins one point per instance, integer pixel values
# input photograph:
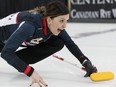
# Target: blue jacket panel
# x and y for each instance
(29, 26)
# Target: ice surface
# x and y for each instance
(96, 40)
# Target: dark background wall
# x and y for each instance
(80, 11)
(10, 6)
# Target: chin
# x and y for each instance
(56, 34)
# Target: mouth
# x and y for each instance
(59, 30)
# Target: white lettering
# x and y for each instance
(83, 2)
(93, 1)
(84, 14)
(100, 2)
(105, 14)
(73, 13)
(114, 12)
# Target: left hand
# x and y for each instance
(89, 68)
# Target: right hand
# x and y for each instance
(36, 78)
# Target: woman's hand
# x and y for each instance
(89, 68)
(36, 78)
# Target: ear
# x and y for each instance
(49, 20)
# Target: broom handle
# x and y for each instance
(62, 59)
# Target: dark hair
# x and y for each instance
(53, 9)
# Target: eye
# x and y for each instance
(61, 21)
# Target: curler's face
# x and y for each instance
(57, 24)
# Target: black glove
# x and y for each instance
(89, 68)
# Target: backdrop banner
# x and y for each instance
(92, 10)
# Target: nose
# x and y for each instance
(64, 25)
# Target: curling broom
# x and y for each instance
(102, 76)
(98, 76)
(62, 59)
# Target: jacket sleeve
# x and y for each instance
(24, 30)
(72, 47)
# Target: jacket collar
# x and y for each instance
(46, 30)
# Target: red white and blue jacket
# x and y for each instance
(22, 28)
